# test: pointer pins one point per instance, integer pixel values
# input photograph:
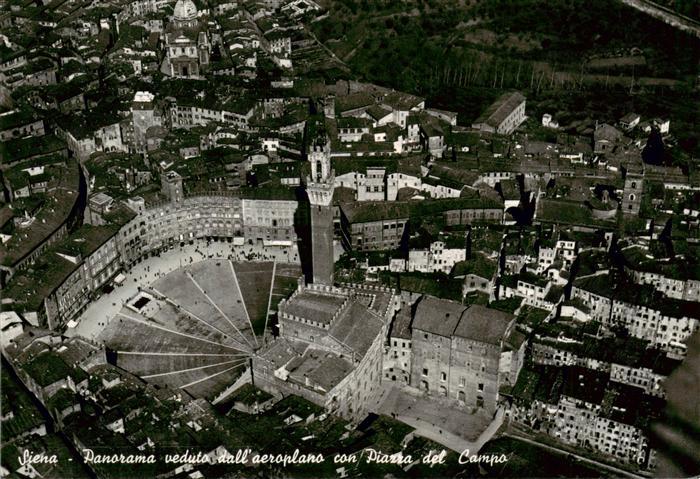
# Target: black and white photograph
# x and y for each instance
(329, 239)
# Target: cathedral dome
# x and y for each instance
(185, 10)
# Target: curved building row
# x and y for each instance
(72, 272)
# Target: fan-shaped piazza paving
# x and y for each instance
(196, 327)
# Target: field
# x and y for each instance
(460, 55)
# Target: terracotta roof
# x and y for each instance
(483, 324)
(500, 109)
(401, 326)
(607, 132)
(437, 316)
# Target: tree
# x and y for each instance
(216, 53)
(654, 151)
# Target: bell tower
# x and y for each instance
(319, 187)
(632, 194)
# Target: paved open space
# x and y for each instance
(438, 419)
(191, 317)
(99, 312)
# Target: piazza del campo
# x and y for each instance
(362, 238)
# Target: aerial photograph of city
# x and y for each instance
(349, 239)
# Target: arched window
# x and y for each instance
(634, 184)
(632, 197)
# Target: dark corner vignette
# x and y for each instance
(349, 238)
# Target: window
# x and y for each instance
(425, 371)
(480, 386)
(443, 377)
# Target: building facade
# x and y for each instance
(505, 115)
(187, 43)
(457, 352)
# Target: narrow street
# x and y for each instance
(613, 469)
(666, 15)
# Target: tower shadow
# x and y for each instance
(302, 227)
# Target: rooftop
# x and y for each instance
(322, 368)
(585, 384)
(487, 325)
(640, 295)
(401, 325)
(29, 287)
(357, 328)
(353, 102)
(379, 210)
(479, 265)
(53, 213)
(628, 404)
(437, 316)
(401, 101)
(314, 305)
(449, 318)
(86, 239)
(24, 148)
(500, 109)
(678, 268)
(48, 368)
(15, 118)
(538, 382)
(409, 165)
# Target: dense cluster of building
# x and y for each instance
(125, 422)
(553, 276)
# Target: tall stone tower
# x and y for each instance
(144, 116)
(632, 196)
(171, 186)
(319, 187)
